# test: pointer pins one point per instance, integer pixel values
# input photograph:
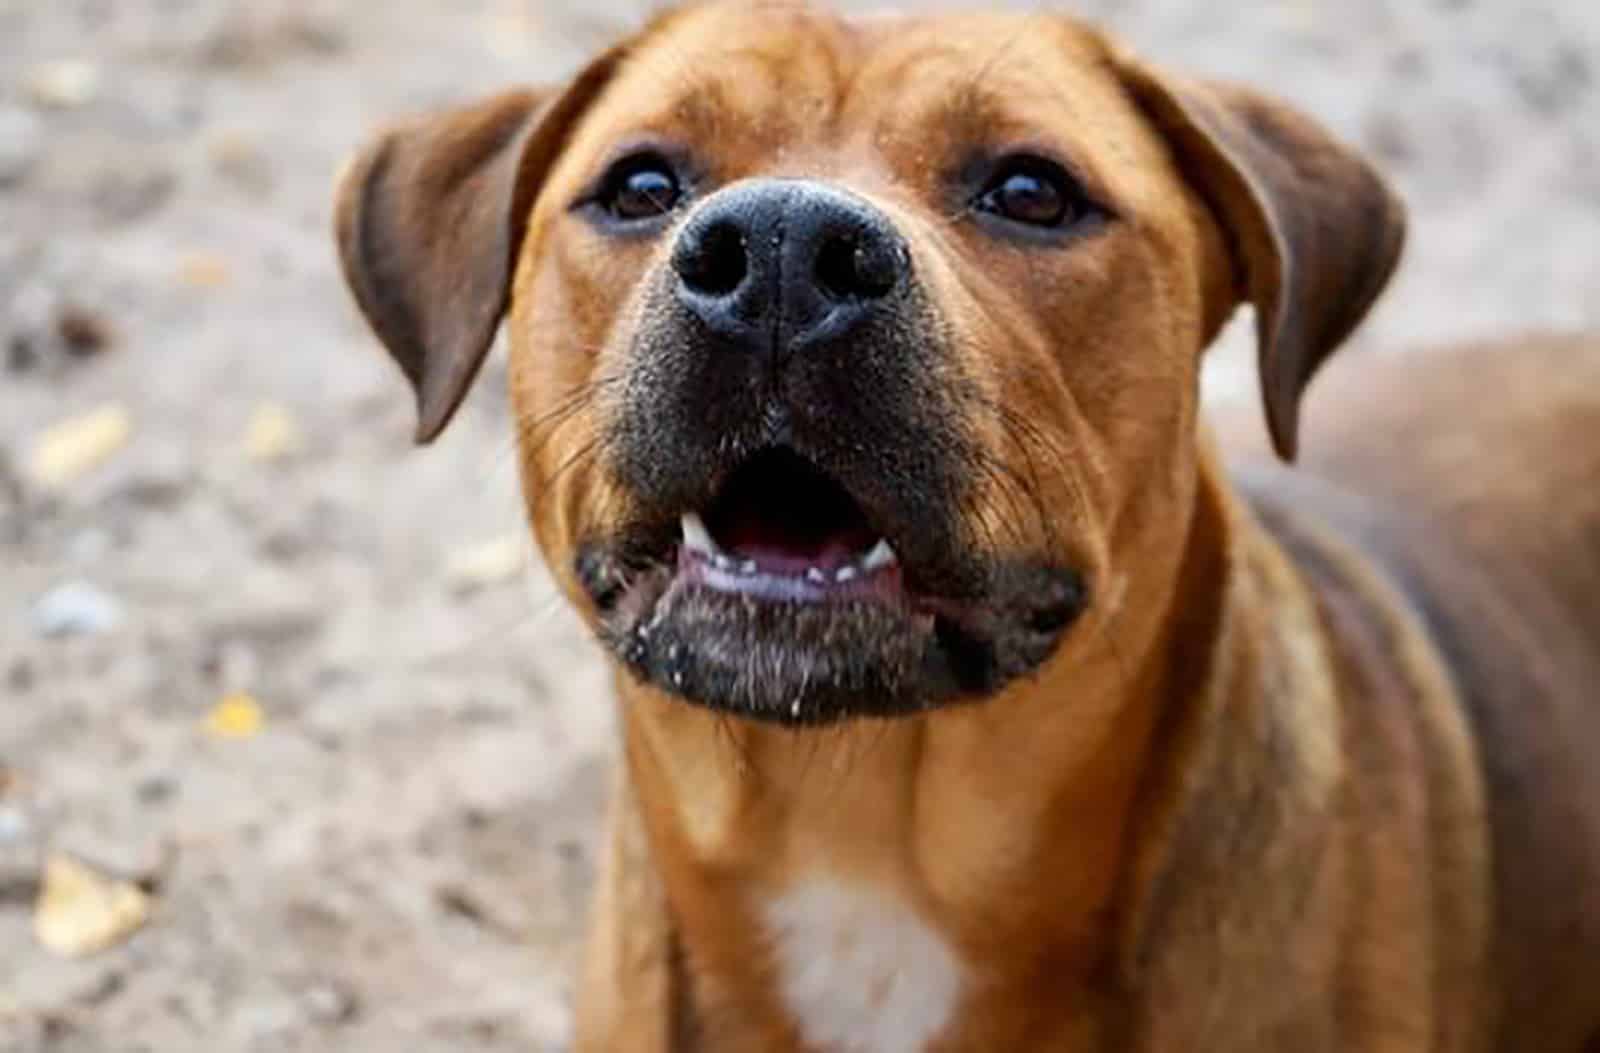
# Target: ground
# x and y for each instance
(387, 843)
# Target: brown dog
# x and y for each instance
(967, 704)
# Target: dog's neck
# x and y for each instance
(1009, 840)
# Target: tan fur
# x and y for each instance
(1256, 801)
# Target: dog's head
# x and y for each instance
(856, 363)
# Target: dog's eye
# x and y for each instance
(1034, 192)
(640, 188)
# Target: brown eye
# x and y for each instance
(641, 188)
(1033, 192)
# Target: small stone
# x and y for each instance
(76, 609)
(156, 790)
(20, 678)
(82, 331)
(64, 85)
(329, 1004)
(489, 563)
(21, 354)
(21, 143)
(21, 855)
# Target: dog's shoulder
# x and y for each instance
(1469, 481)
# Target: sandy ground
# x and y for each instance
(397, 859)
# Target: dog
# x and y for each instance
(973, 695)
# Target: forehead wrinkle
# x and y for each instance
(1026, 96)
(766, 83)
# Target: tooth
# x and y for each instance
(722, 562)
(845, 574)
(747, 567)
(882, 555)
(816, 575)
(695, 534)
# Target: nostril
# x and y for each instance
(713, 260)
(852, 267)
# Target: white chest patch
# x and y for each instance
(860, 973)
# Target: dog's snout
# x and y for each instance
(774, 265)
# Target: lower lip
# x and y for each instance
(881, 585)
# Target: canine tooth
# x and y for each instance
(747, 567)
(882, 555)
(845, 574)
(695, 534)
(815, 574)
(722, 562)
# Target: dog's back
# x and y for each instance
(1473, 477)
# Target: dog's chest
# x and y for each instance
(860, 972)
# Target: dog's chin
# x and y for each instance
(777, 651)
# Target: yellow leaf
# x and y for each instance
(238, 716)
(80, 912)
(488, 563)
(76, 446)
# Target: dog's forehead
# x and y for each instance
(787, 68)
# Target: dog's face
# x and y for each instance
(856, 362)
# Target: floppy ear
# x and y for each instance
(1314, 230)
(429, 219)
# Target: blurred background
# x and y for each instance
(297, 749)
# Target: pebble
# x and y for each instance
(83, 332)
(76, 609)
(330, 1004)
(64, 85)
(21, 143)
(21, 855)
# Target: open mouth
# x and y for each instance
(782, 596)
(781, 529)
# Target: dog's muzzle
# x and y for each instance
(791, 433)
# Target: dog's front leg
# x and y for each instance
(629, 997)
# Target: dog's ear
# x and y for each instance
(429, 219)
(1314, 230)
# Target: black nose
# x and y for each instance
(774, 266)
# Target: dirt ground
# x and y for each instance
(397, 857)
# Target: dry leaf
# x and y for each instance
(237, 716)
(76, 446)
(12, 782)
(204, 271)
(80, 912)
(272, 435)
(490, 563)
